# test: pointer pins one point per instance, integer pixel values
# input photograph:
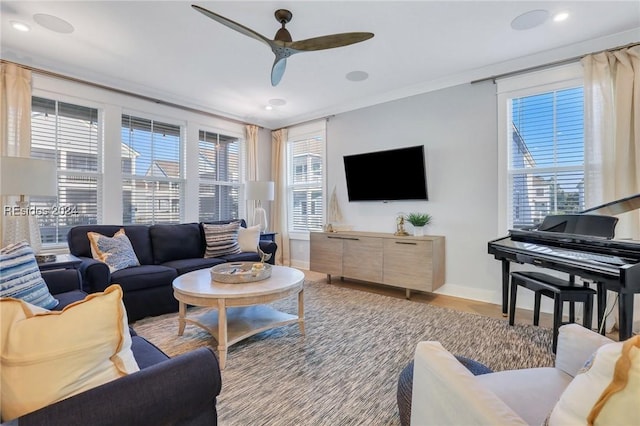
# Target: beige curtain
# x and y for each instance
(279, 218)
(252, 172)
(15, 131)
(612, 131)
(612, 135)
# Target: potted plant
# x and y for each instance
(419, 221)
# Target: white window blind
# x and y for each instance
(546, 161)
(219, 170)
(306, 159)
(69, 135)
(152, 171)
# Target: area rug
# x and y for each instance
(344, 371)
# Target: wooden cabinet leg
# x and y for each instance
(407, 293)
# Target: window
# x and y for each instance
(545, 146)
(152, 171)
(219, 169)
(68, 134)
(306, 158)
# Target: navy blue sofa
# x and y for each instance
(179, 391)
(164, 252)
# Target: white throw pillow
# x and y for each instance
(249, 238)
(606, 391)
(48, 356)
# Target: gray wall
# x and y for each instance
(458, 127)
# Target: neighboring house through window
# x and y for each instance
(541, 129)
(220, 159)
(70, 135)
(306, 177)
(152, 171)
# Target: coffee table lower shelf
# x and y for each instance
(243, 322)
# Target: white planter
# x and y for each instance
(418, 231)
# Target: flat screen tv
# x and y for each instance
(395, 174)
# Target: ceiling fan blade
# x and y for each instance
(329, 41)
(232, 24)
(277, 71)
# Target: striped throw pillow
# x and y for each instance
(221, 240)
(20, 276)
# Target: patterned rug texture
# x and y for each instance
(344, 371)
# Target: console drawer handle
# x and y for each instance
(406, 242)
(344, 238)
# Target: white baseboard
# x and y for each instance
(489, 296)
(300, 264)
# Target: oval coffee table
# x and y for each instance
(240, 310)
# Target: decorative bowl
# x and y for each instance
(240, 272)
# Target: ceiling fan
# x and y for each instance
(282, 45)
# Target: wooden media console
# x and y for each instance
(412, 263)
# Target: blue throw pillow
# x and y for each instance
(117, 251)
(20, 276)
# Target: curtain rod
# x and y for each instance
(124, 92)
(550, 64)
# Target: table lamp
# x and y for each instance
(25, 177)
(259, 191)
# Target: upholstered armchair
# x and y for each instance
(446, 393)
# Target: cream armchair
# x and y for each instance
(446, 393)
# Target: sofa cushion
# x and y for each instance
(187, 265)
(543, 386)
(221, 240)
(144, 276)
(145, 352)
(242, 257)
(117, 251)
(68, 298)
(175, 242)
(20, 276)
(85, 345)
(605, 391)
(249, 238)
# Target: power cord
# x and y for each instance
(601, 327)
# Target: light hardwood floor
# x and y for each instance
(457, 303)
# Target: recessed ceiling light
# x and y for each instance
(530, 19)
(559, 17)
(53, 23)
(20, 26)
(268, 107)
(277, 102)
(357, 76)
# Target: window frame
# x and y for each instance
(239, 185)
(316, 129)
(530, 84)
(179, 183)
(65, 173)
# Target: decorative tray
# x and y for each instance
(240, 272)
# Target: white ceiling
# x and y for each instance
(167, 50)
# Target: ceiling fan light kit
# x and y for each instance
(283, 45)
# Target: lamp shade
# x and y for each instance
(28, 176)
(259, 190)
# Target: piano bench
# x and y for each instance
(555, 288)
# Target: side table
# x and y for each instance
(268, 236)
(63, 261)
